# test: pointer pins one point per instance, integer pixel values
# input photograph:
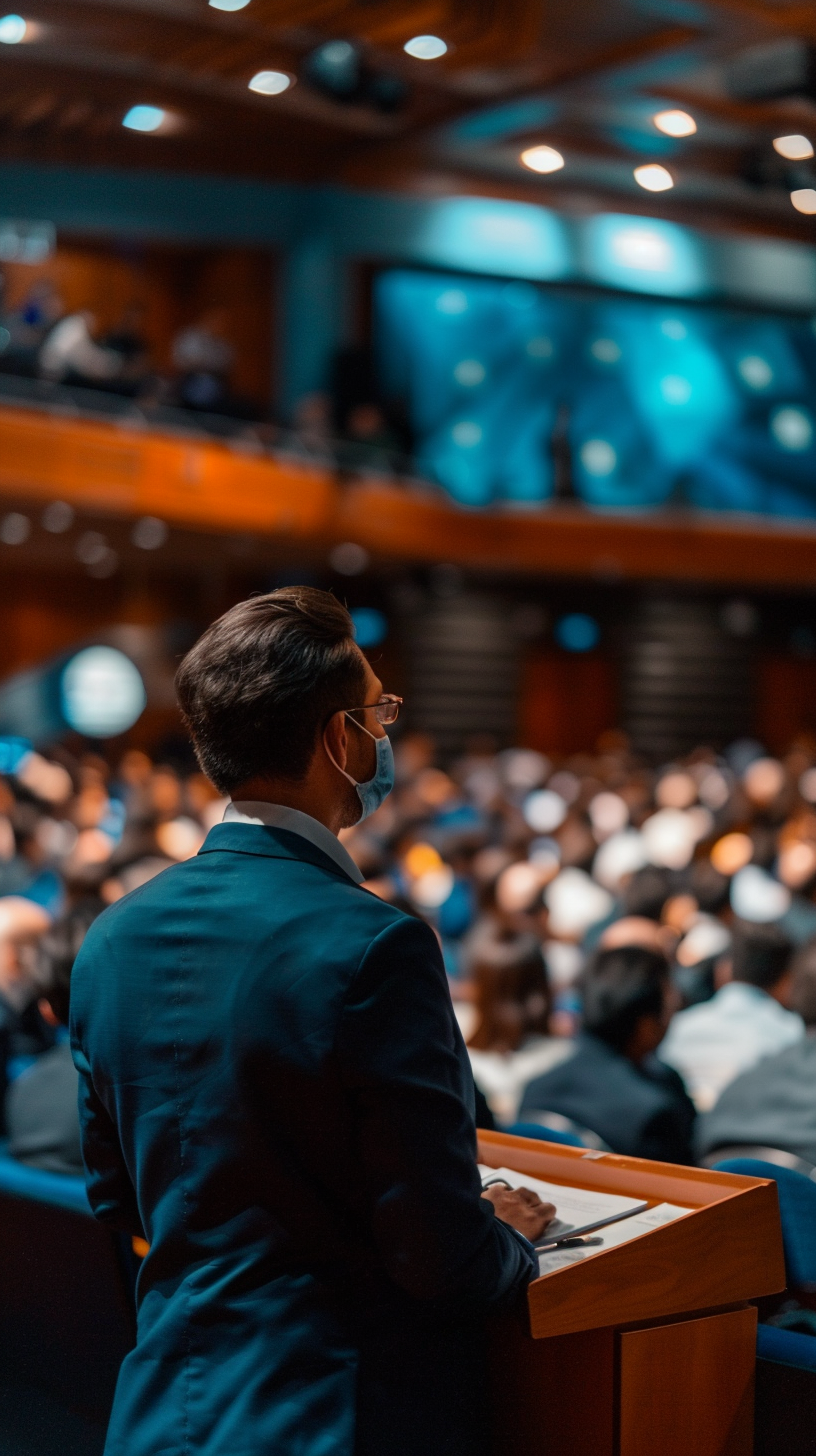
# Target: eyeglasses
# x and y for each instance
(385, 711)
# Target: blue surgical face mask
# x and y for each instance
(372, 792)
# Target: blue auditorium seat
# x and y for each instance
(546, 1134)
(797, 1208)
(54, 1188)
(785, 1423)
(67, 1313)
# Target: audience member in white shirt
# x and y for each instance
(746, 1019)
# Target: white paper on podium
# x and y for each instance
(578, 1210)
(613, 1235)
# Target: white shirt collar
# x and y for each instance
(278, 816)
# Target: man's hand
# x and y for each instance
(521, 1208)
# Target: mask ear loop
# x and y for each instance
(331, 757)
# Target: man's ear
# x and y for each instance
(336, 738)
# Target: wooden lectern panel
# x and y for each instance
(688, 1389)
(608, 1365)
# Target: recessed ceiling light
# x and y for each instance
(425, 47)
(229, 4)
(794, 148)
(654, 177)
(542, 159)
(804, 200)
(12, 29)
(144, 118)
(271, 83)
(675, 123)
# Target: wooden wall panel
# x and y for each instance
(175, 286)
(785, 701)
(567, 701)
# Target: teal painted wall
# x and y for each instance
(317, 232)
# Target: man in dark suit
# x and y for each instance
(774, 1103)
(614, 1083)
(274, 1092)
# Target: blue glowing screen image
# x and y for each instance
(654, 401)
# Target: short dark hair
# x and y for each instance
(760, 955)
(647, 892)
(56, 952)
(512, 989)
(618, 988)
(263, 681)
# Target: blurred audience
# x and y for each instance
(70, 355)
(42, 1119)
(774, 1104)
(746, 1019)
(203, 359)
(613, 1083)
(576, 904)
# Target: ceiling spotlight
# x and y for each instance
(229, 4)
(270, 83)
(542, 159)
(654, 177)
(144, 118)
(675, 123)
(804, 200)
(794, 148)
(336, 68)
(425, 47)
(12, 29)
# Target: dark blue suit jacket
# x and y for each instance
(273, 1089)
(643, 1111)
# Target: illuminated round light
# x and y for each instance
(102, 692)
(229, 4)
(792, 428)
(58, 517)
(144, 118)
(755, 371)
(348, 558)
(149, 533)
(425, 47)
(542, 159)
(598, 457)
(12, 29)
(606, 351)
(270, 83)
(453, 300)
(544, 810)
(466, 434)
(14, 529)
(675, 123)
(674, 328)
(577, 632)
(653, 177)
(540, 347)
(370, 626)
(793, 148)
(469, 372)
(804, 200)
(675, 389)
(91, 548)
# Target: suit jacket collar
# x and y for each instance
(272, 843)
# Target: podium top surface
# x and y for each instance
(726, 1250)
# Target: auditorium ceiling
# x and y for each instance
(584, 77)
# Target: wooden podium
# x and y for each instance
(647, 1349)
